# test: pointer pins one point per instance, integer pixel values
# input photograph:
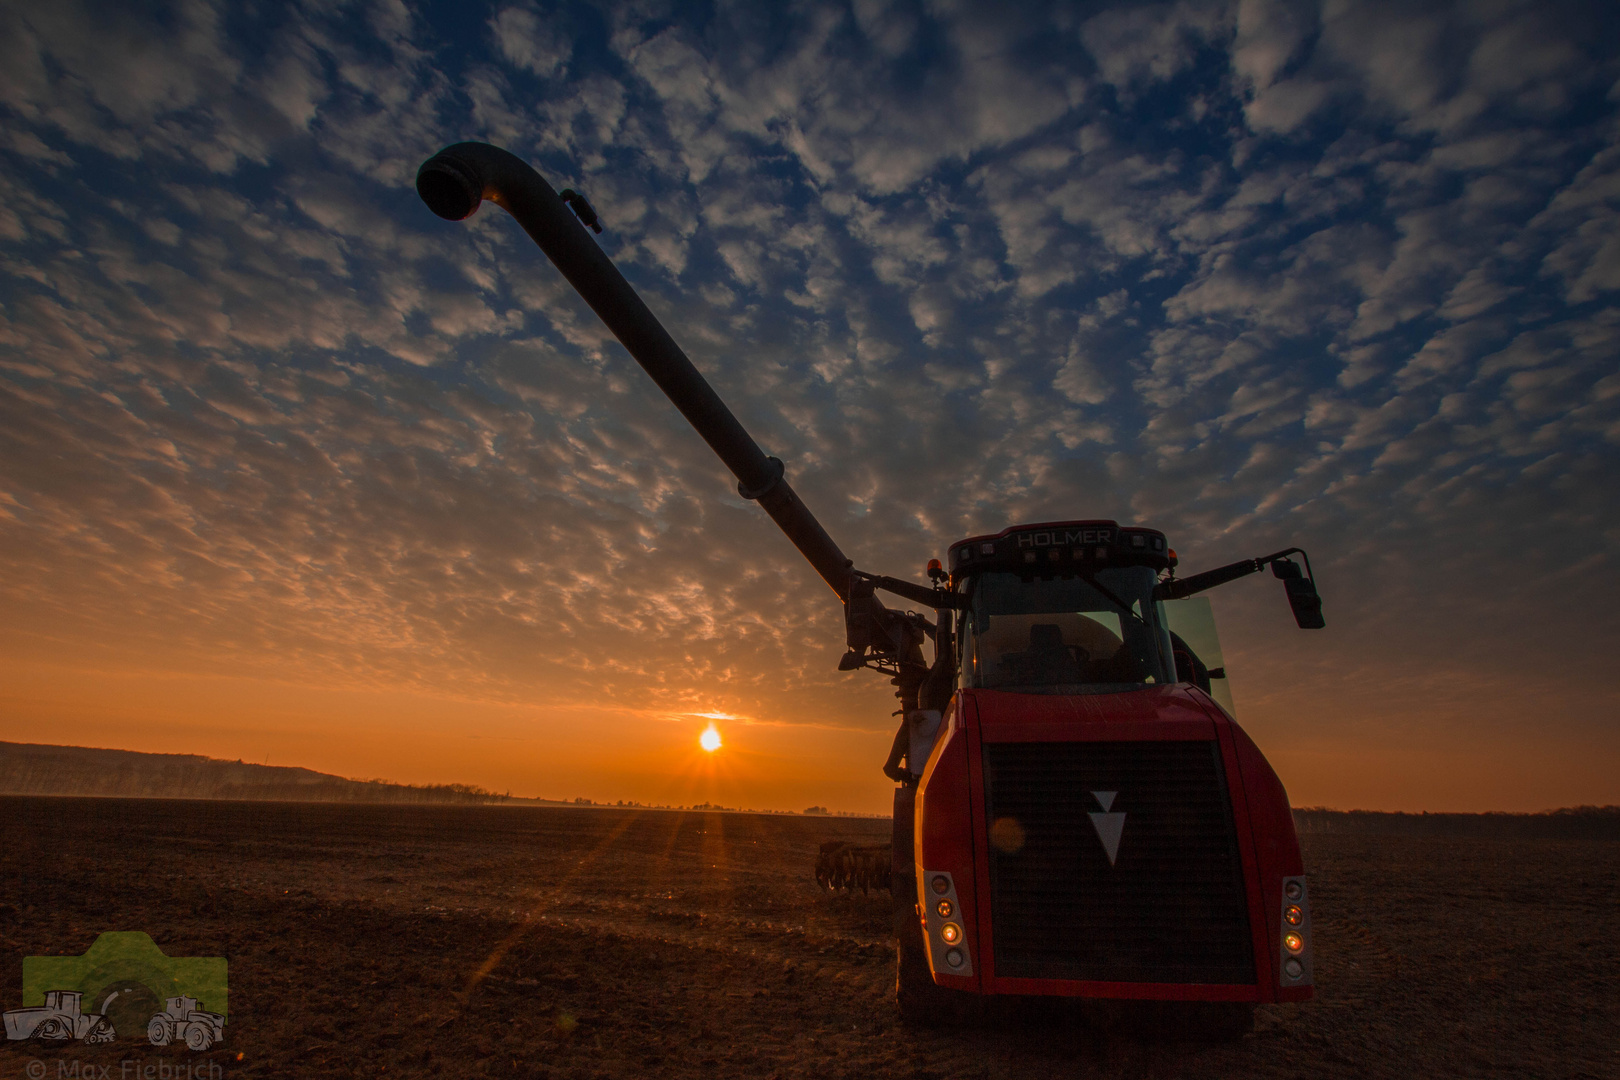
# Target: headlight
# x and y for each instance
(948, 952)
(1295, 969)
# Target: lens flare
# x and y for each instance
(710, 739)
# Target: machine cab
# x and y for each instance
(1062, 609)
(1070, 608)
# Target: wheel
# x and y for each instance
(101, 1031)
(158, 1032)
(53, 1029)
(915, 991)
(199, 1036)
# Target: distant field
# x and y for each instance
(691, 945)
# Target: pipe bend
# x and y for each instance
(455, 180)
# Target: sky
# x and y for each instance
(293, 471)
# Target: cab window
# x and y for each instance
(1064, 635)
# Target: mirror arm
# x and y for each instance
(1266, 560)
(1179, 588)
(1303, 598)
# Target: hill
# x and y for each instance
(39, 769)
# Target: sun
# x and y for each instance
(710, 739)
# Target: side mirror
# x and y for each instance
(1302, 596)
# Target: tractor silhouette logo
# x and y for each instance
(122, 987)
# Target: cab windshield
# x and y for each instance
(1064, 636)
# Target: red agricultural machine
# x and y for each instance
(1075, 813)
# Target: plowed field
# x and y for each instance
(524, 942)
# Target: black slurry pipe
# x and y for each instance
(456, 179)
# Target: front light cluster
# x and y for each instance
(1296, 923)
(947, 947)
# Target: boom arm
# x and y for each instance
(456, 179)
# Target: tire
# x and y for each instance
(101, 1031)
(199, 1037)
(158, 1032)
(53, 1030)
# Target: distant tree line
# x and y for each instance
(1574, 823)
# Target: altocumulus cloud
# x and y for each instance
(1340, 274)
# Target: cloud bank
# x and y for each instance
(1339, 274)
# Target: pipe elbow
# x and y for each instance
(458, 178)
(451, 186)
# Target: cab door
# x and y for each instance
(1198, 647)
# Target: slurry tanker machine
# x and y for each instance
(1075, 815)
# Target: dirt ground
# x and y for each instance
(525, 942)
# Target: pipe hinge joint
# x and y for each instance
(755, 494)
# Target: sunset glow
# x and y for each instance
(293, 470)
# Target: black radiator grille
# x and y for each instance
(1170, 909)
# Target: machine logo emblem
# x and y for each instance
(1110, 827)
